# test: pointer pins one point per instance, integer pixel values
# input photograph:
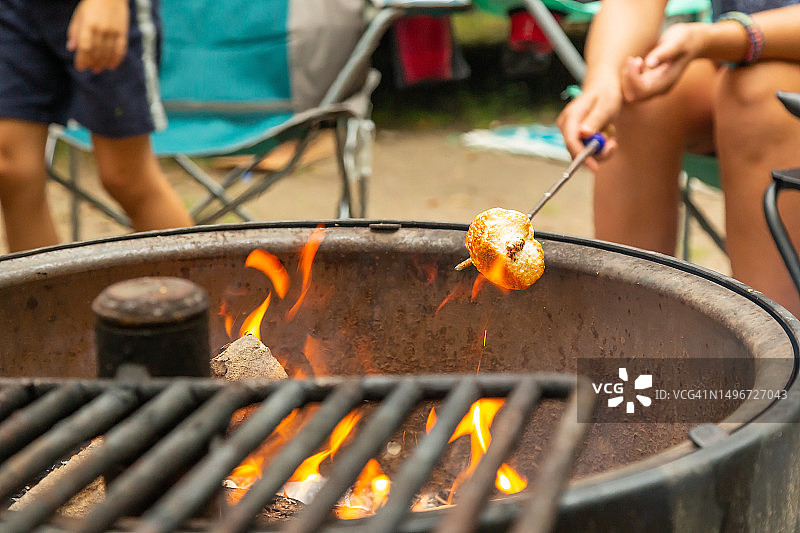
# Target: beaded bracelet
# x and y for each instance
(755, 37)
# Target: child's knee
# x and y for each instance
(19, 174)
(117, 182)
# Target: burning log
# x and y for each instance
(80, 504)
(247, 358)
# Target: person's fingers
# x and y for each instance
(119, 48)
(608, 132)
(103, 49)
(98, 40)
(590, 115)
(72, 34)
(83, 49)
(631, 78)
(98, 51)
(596, 121)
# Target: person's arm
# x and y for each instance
(724, 41)
(98, 34)
(622, 28)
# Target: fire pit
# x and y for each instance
(382, 298)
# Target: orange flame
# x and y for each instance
(446, 300)
(476, 424)
(306, 260)
(309, 469)
(495, 275)
(252, 324)
(480, 282)
(247, 473)
(226, 314)
(459, 292)
(508, 481)
(431, 421)
(272, 267)
(369, 493)
(313, 351)
(430, 273)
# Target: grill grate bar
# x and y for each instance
(12, 398)
(155, 469)
(343, 399)
(28, 423)
(506, 429)
(121, 444)
(182, 428)
(345, 471)
(424, 458)
(203, 481)
(539, 514)
(96, 417)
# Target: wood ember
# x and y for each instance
(247, 358)
(279, 509)
(79, 505)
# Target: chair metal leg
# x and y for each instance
(215, 189)
(75, 204)
(692, 211)
(354, 139)
(686, 234)
(261, 184)
(562, 46)
(344, 210)
(782, 180)
(79, 195)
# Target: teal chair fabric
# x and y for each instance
(243, 76)
(577, 11)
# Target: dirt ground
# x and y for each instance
(422, 176)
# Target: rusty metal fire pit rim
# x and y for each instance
(789, 323)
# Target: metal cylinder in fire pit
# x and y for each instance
(155, 324)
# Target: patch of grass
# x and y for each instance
(459, 107)
(479, 28)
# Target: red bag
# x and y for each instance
(425, 48)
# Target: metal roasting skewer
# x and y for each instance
(593, 145)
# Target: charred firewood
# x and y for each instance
(247, 358)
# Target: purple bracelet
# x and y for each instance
(755, 37)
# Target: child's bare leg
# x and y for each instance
(755, 135)
(636, 191)
(132, 175)
(23, 178)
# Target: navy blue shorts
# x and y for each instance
(39, 83)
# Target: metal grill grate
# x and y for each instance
(175, 429)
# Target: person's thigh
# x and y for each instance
(636, 190)
(755, 134)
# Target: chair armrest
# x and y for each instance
(423, 4)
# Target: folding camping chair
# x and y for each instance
(241, 77)
(696, 168)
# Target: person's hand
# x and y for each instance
(98, 34)
(657, 72)
(592, 111)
